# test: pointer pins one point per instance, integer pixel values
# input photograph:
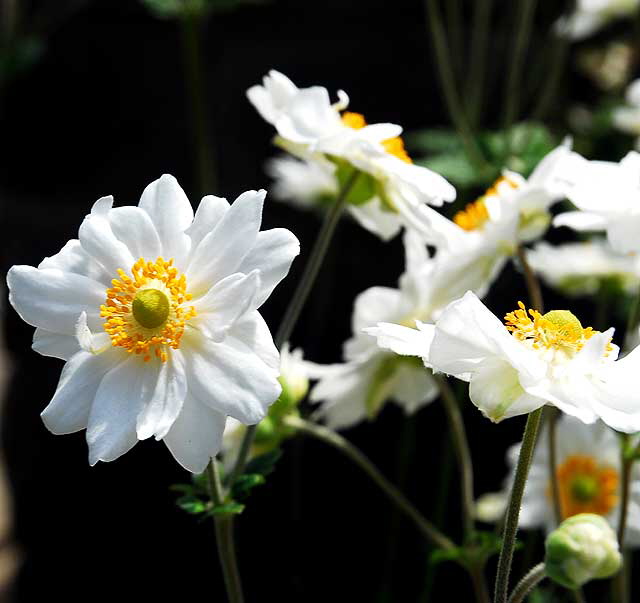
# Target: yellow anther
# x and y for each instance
(394, 146)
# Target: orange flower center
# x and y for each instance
(475, 214)
(394, 146)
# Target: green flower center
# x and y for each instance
(584, 488)
(150, 308)
(563, 318)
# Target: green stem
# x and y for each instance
(191, 26)
(224, 538)
(515, 501)
(453, 10)
(461, 446)
(428, 530)
(528, 583)
(298, 300)
(477, 58)
(479, 583)
(452, 99)
(533, 285)
(552, 418)
(521, 37)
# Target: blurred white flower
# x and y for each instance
(627, 118)
(606, 195)
(582, 268)
(531, 360)
(359, 387)
(588, 474)
(159, 347)
(312, 128)
(591, 15)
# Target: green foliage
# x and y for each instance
(475, 553)
(520, 149)
(177, 9)
(362, 190)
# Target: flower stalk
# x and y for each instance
(515, 501)
(528, 583)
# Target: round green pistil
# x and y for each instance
(150, 308)
(563, 318)
(584, 488)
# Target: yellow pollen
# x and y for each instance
(584, 486)
(558, 329)
(475, 214)
(146, 311)
(394, 146)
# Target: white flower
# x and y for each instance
(588, 474)
(591, 15)
(310, 127)
(582, 268)
(532, 361)
(627, 118)
(308, 183)
(607, 193)
(359, 387)
(155, 312)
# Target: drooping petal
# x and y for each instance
(377, 304)
(404, 340)
(209, 213)
(54, 344)
(133, 226)
(221, 252)
(414, 388)
(226, 302)
(94, 343)
(165, 404)
(196, 435)
(53, 300)
(70, 406)
(232, 381)
(121, 396)
(272, 255)
(98, 240)
(171, 213)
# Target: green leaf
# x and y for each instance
(362, 190)
(192, 505)
(456, 168)
(230, 508)
(263, 464)
(434, 140)
(245, 483)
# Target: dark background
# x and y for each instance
(104, 111)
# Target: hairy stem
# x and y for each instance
(515, 501)
(528, 583)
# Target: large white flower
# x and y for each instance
(606, 195)
(532, 360)
(627, 118)
(588, 474)
(591, 15)
(155, 313)
(308, 183)
(309, 126)
(358, 388)
(583, 268)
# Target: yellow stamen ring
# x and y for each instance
(475, 214)
(394, 146)
(146, 313)
(586, 487)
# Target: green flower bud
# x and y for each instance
(582, 548)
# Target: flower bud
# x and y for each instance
(293, 378)
(580, 549)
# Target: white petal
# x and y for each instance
(134, 228)
(221, 252)
(208, 214)
(234, 382)
(580, 221)
(98, 240)
(227, 301)
(272, 254)
(73, 258)
(372, 217)
(70, 406)
(53, 299)
(254, 334)
(623, 234)
(54, 344)
(88, 341)
(496, 390)
(122, 395)
(414, 388)
(196, 435)
(160, 412)
(403, 340)
(171, 214)
(377, 304)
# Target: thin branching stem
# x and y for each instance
(528, 583)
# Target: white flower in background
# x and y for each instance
(531, 360)
(359, 387)
(155, 312)
(609, 66)
(312, 128)
(627, 118)
(606, 195)
(583, 268)
(591, 15)
(309, 184)
(588, 474)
